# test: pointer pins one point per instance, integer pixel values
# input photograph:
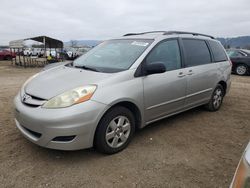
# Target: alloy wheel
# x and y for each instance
(217, 98)
(241, 70)
(118, 131)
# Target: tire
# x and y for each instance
(8, 58)
(241, 69)
(216, 99)
(115, 130)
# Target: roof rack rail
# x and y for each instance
(130, 34)
(170, 33)
(184, 32)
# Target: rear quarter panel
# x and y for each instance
(225, 70)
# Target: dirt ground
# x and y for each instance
(193, 149)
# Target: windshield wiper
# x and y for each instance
(86, 68)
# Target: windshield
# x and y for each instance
(113, 55)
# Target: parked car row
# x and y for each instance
(38, 52)
(33, 52)
(67, 54)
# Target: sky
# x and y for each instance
(103, 19)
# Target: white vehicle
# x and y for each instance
(37, 51)
(73, 52)
(69, 53)
(51, 52)
(27, 52)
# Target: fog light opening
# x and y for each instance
(64, 138)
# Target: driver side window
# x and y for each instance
(168, 53)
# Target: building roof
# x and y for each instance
(48, 41)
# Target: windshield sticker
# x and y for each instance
(139, 43)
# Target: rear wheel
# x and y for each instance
(216, 99)
(8, 57)
(241, 69)
(115, 130)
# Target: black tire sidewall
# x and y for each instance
(100, 141)
(7, 57)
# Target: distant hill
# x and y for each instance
(236, 42)
(89, 43)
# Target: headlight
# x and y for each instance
(69, 98)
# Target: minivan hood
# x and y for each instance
(58, 80)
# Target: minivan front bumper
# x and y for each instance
(69, 128)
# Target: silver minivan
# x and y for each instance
(123, 84)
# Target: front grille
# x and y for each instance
(32, 101)
(31, 105)
(36, 98)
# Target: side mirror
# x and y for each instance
(155, 68)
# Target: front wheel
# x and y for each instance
(115, 130)
(216, 99)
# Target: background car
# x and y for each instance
(242, 175)
(6, 55)
(241, 60)
(27, 52)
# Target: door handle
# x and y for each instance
(190, 72)
(181, 74)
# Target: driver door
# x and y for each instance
(164, 93)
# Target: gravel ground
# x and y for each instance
(193, 149)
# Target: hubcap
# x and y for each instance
(241, 70)
(217, 99)
(118, 131)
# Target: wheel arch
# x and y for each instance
(224, 85)
(132, 106)
(127, 104)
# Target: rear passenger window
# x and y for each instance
(167, 52)
(218, 51)
(196, 52)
